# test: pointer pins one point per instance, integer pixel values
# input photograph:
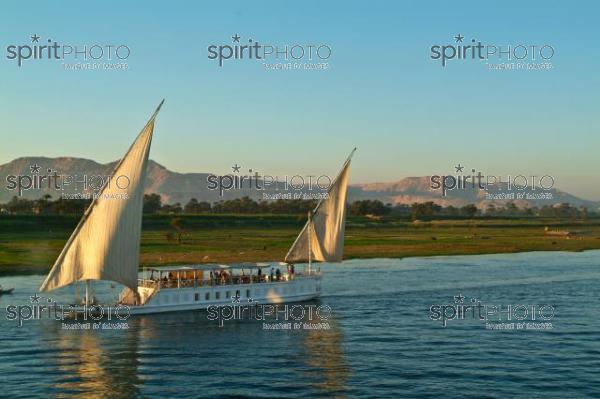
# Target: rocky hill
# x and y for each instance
(181, 187)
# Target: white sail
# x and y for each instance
(105, 245)
(322, 238)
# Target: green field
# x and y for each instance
(30, 244)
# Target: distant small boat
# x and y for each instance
(6, 291)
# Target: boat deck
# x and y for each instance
(181, 282)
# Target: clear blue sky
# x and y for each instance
(406, 114)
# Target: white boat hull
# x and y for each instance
(200, 298)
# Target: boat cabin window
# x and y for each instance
(196, 297)
(227, 294)
(217, 295)
(247, 293)
(207, 296)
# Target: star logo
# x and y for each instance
(459, 298)
(236, 298)
(35, 168)
(236, 168)
(236, 38)
(459, 168)
(35, 298)
(459, 38)
(35, 38)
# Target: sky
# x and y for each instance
(382, 93)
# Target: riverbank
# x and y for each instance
(30, 244)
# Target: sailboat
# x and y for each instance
(105, 246)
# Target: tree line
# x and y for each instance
(431, 210)
(418, 211)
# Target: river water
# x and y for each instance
(381, 339)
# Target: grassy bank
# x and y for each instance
(30, 244)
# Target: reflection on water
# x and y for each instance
(381, 342)
(105, 364)
(325, 356)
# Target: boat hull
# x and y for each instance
(140, 310)
(200, 298)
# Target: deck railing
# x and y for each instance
(223, 281)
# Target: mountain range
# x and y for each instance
(176, 187)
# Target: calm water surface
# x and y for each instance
(381, 341)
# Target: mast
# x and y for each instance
(309, 245)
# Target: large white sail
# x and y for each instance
(105, 245)
(322, 238)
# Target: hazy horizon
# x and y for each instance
(209, 171)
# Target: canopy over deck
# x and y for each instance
(216, 266)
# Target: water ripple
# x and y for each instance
(382, 342)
